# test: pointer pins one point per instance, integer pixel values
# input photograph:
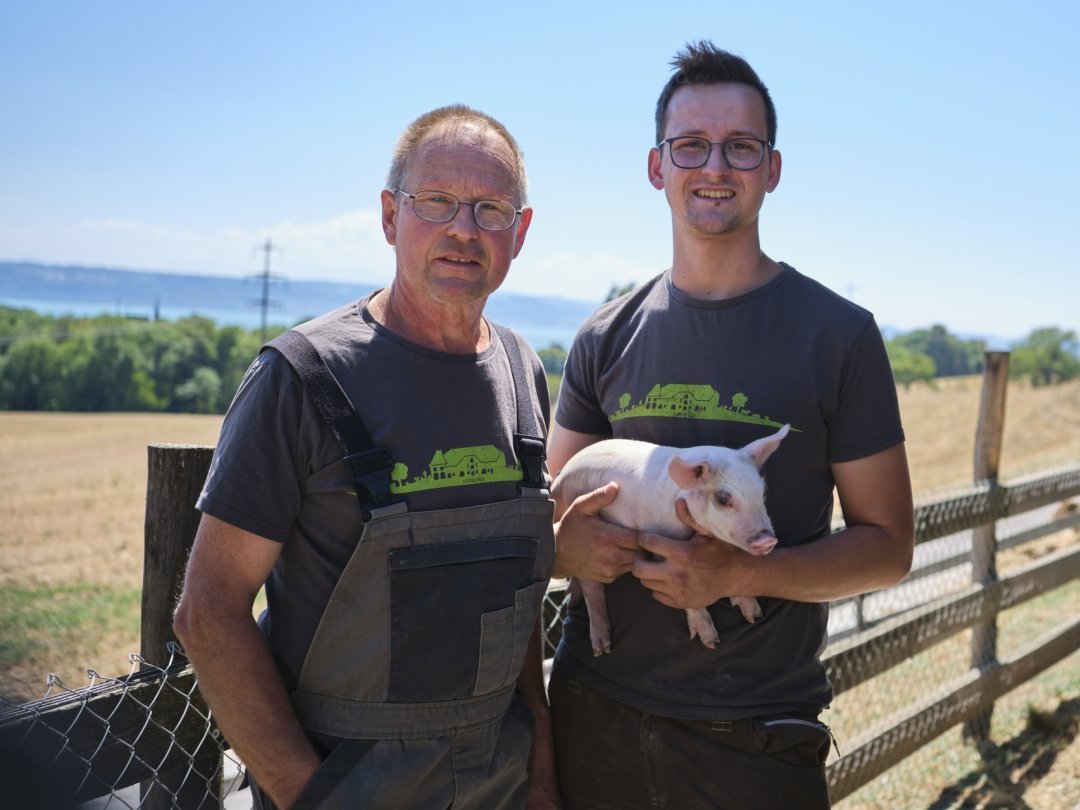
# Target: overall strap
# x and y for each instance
(369, 466)
(528, 447)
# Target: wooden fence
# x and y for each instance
(153, 728)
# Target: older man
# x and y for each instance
(381, 470)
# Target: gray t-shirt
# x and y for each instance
(660, 366)
(448, 421)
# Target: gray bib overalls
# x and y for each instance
(416, 701)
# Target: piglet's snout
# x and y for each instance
(762, 544)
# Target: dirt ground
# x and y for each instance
(72, 498)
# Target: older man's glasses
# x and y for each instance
(693, 153)
(438, 206)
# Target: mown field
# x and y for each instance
(72, 496)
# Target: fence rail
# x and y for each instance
(965, 510)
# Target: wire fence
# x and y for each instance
(146, 740)
(907, 664)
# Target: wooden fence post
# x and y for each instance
(175, 477)
(988, 442)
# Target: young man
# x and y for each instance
(723, 348)
(382, 473)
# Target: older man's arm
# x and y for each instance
(235, 668)
(874, 551)
(543, 782)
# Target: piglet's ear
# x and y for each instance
(760, 450)
(688, 473)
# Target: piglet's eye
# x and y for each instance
(723, 498)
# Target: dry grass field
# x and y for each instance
(72, 501)
(72, 496)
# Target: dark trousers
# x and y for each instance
(610, 755)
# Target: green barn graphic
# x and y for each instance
(685, 401)
(457, 467)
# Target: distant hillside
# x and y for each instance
(89, 290)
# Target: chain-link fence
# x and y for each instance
(146, 740)
(907, 664)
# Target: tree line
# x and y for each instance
(113, 363)
(1048, 355)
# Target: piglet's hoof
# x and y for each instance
(601, 639)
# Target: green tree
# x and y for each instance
(618, 290)
(908, 365)
(112, 363)
(952, 356)
(553, 358)
(1048, 355)
(33, 377)
(21, 324)
(115, 377)
(236, 349)
(180, 350)
(200, 394)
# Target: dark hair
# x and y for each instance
(450, 117)
(704, 63)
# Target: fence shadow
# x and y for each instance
(1031, 754)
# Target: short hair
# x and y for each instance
(451, 117)
(704, 63)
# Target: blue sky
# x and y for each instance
(930, 169)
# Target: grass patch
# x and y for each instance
(41, 621)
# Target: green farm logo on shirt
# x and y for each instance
(458, 467)
(682, 401)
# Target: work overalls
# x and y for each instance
(411, 673)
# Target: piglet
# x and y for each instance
(723, 489)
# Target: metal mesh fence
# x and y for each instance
(907, 664)
(146, 740)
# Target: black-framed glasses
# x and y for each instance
(438, 206)
(739, 153)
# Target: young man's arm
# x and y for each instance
(234, 666)
(874, 551)
(586, 546)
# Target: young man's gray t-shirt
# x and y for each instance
(659, 366)
(448, 421)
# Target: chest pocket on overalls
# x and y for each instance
(457, 656)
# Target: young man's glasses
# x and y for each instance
(438, 206)
(692, 153)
